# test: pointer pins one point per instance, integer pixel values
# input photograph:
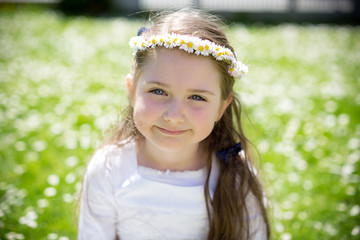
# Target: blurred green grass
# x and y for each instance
(62, 84)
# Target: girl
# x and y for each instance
(178, 166)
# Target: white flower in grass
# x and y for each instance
(53, 179)
(71, 161)
(68, 198)
(70, 178)
(14, 235)
(29, 219)
(42, 203)
(355, 210)
(285, 236)
(50, 191)
(52, 236)
(355, 231)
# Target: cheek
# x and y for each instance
(145, 110)
(204, 118)
(208, 112)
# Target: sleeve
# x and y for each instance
(97, 218)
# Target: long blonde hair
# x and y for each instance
(228, 211)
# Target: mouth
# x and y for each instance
(173, 132)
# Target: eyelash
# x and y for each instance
(198, 98)
(157, 90)
(161, 92)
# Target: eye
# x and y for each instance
(158, 91)
(197, 98)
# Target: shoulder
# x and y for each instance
(111, 159)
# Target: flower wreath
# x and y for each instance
(192, 44)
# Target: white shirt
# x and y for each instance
(138, 203)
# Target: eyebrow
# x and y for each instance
(191, 90)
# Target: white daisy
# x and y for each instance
(238, 70)
(187, 44)
(201, 47)
(175, 40)
(219, 54)
(243, 69)
(143, 45)
(183, 40)
(135, 43)
(207, 48)
(160, 40)
(168, 42)
(227, 54)
(152, 41)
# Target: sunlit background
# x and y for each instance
(62, 84)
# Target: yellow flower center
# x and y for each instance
(161, 40)
(207, 47)
(183, 42)
(175, 39)
(201, 48)
(220, 53)
(189, 44)
(168, 42)
(143, 44)
(153, 41)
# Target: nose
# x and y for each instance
(175, 112)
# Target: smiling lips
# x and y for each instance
(171, 132)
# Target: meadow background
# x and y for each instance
(62, 83)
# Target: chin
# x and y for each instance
(172, 145)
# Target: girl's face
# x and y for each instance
(177, 99)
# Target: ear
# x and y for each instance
(129, 82)
(130, 87)
(224, 105)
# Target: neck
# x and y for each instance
(192, 158)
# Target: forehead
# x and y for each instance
(176, 67)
